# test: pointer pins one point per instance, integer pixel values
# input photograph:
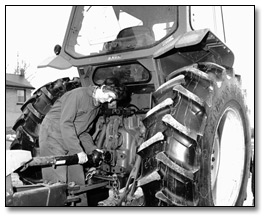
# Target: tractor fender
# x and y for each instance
(57, 62)
(197, 45)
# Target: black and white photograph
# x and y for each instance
(130, 106)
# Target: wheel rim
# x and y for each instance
(228, 158)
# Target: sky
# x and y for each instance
(31, 34)
(240, 29)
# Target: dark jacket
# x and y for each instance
(74, 113)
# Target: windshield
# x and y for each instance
(107, 29)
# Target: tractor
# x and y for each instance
(181, 137)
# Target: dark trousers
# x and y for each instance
(51, 144)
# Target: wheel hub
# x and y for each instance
(227, 158)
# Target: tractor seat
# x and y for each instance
(139, 35)
(131, 38)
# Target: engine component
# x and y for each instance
(118, 136)
(96, 158)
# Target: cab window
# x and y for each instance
(202, 17)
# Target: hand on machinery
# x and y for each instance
(82, 156)
(95, 159)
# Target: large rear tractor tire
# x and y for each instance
(198, 150)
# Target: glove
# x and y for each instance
(82, 157)
(103, 96)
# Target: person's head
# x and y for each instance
(102, 95)
(110, 90)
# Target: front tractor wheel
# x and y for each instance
(202, 154)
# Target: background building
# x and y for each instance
(18, 90)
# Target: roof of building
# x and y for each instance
(13, 80)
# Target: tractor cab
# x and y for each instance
(135, 39)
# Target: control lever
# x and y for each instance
(95, 159)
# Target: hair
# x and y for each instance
(114, 85)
